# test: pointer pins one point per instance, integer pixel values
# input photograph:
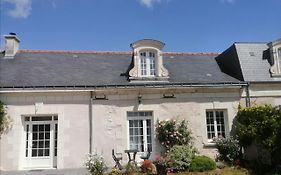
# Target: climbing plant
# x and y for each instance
(5, 121)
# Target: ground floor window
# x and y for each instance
(215, 120)
(140, 130)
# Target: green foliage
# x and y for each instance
(130, 168)
(261, 125)
(114, 171)
(5, 121)
(228, 149)
(95, 164)
(202, 163)
(173, 132)
(181, 156)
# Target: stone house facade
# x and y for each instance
(65, 104)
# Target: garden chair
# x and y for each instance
(117, 157)
(146, 154)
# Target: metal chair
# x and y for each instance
(117, 157)
(146, 154)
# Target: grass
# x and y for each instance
(224, 171)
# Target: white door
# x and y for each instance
(41, 142)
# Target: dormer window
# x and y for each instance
(275, 50)
(148, 61)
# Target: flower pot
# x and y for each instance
(161, 169)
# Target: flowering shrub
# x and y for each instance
(95, 164)
(173, 132)
(181, 156)
(228, 149)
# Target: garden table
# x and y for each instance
(132, 156)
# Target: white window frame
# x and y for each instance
(148, 63)
(139, 116)
(279, 59)
(215, 124)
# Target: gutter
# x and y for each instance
(103, 87)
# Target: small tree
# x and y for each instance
(5, 121)
(261, 125)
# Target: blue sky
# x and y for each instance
(111, 25)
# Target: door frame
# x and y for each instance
(28, 159)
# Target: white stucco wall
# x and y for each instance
(73, 133)
(110, 130)
(110, 118)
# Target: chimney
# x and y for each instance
(11, 45)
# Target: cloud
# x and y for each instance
(149, 3)
(21, 9)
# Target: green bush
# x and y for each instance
(202, 163)
(228, 149)
(261, 125)
(173, 132)
(181, 156)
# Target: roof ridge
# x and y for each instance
(192, 53)
(114, 52)
(73, 51)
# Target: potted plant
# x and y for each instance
(161, 163)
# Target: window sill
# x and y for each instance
(209, 144)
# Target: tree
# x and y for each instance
(262, 125)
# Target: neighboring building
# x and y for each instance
(65, 104)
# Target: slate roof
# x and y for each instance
(247, 62)
(62, 68)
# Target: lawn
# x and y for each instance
(224, 171)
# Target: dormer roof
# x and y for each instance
(148, 43)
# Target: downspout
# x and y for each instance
(91, 122)
(248, 100)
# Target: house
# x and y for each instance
(65, 104)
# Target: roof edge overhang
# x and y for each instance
(88, 88)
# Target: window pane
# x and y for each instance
(55, 117)
(40, 152)
(41, 144)
(41, 118)
(34, 152)
(34, 144)
(47, 144)
(35, 128)
(35, 136)
(47, 152)
(41, 135)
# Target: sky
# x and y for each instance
(112, 25)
